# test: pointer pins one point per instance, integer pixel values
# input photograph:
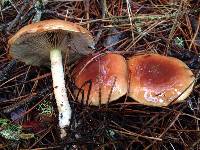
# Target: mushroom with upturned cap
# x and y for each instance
(158, 80)
(103, 79)
(43, 43)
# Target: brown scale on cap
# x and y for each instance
(108, 76)
(159, 80)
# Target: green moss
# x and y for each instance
(9, 130)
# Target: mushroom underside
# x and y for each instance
(33, 48)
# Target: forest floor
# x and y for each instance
(28, 114)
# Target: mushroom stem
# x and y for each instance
(60, 91)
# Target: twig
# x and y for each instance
(171, 124)
(17, 18)
(195, 35)
(5, 72)
(32, 97)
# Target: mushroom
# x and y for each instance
(158, 80)
(103, 78)
(42, 44)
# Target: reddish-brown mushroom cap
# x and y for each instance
(32, 43)
(50, 25)
(157, 80)
(107, 75)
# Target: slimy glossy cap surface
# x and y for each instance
(32, 43)
(107, 75)
(157, 80)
